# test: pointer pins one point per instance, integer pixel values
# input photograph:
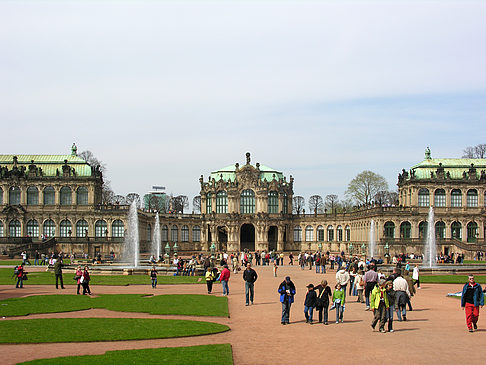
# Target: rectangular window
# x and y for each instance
(423, 200)
(440, 200)
(472, 201)
(196, 234)
(456, 200)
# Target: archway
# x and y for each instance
(247, 237)
(272, 238)
(223, 238)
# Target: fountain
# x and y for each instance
(371, 240)
(430, 249)
(132, 242)
(156, 238)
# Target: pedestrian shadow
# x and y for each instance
(414, 320)
(405, 329)
(352, 321)
(263, 303)
(419, 310)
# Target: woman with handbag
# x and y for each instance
(324, 293)
(85, 278)
(77, 277)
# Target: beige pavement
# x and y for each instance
(435, 332)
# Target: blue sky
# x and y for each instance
(164, 91)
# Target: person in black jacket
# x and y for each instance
(324, 293)
(309, 303)
(250, 276)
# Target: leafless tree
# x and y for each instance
(90, 158)
(196, 204)
(133, 197)
(478, 151)
(331, 202)
(298, 204)
(179, 203)
(316, 204)
(107, 194)
(386, 198)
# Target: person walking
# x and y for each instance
(323, 297)
(224, 278)
(402, 293)
(309, 303)
(78, 275)
(472, 298)
(287, 292)
(249, 276)
(58, 272)
(338, 298)
(416, 276)
(370, 279)
(153, 276)
(343, 278)
(209, 279)
(19, 273)
(379, 305)
(85, 281)
(391, 304)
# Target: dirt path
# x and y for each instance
(435, 330)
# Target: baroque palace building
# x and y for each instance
(57, 199)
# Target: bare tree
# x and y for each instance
(133, 197)
(107, 193)
(316, 204)
(386, 198)
(179, 203)
(331, 202)
(365, 186)
(196, 204)
(119, 199)
(90, 158)
(478, 151)
(298, 204)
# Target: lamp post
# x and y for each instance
(175, 248)
(351, 249)
(387, 253)
(167, 252)
(320, 246)
(363, 250)
(213, 250)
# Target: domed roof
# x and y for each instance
(229, 173)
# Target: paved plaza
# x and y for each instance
(434, 333)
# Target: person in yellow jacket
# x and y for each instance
(379, 304)
(209, 279)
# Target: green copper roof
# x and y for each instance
(454, 166)
(48, 163)
(228, 173)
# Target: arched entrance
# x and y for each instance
(247, 237)
(272, 238)
(223, 238)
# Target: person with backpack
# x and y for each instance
(322, 305)
(19, 273)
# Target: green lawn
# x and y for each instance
(178, 304)
(450, 279)
(474, 262)
(101, 329)
(203, 355)
(48, 278)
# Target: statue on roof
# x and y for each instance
(427, 154)
(248, 158)
(74, 150)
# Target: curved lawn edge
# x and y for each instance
(219, 354)
(56, 330)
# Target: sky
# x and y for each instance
(165, 91)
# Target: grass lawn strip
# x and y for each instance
(450, 279)
(203, 355)
(48, 278)
(101, 329)
(175, 304)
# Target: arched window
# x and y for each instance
(472, 231)
(49, 228)
(423, 226)
(320, 233)
(164, 233)
(348, 233)
(273, 202)
(309, 234)
(330, 233)
(174, 233)
(405, 230)
(117, 228)
(339, 232)
(196, 234)
(101, 228)
(81, 228)
(65, 228)
(49, 196)
(82, 196)
(472, 198)
(440, 230)
(1, 196)
(14, 228)
(185, 233)
(221, 202)
(14, 196)
(149, 232)
(423, 197)
(247, 202)
(209, 203)
(456, 198)
(440, 198)
(1, 229)
(66, 195)
(297, 234)
(389, 229)
(285, 203)
(32, 195)
(456, 230)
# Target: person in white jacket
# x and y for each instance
(342, 278)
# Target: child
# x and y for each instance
(359, 285)
(153, 275)
(275, 268)
(338, 302)
(309, 303)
